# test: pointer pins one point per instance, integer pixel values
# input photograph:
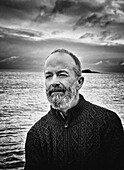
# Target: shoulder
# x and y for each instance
(39, 126)
(103, 115)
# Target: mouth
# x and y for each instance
(57, 91)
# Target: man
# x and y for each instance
(75, 134)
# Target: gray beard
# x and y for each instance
(60, 100)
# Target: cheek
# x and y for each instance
(71, 83)
(47, 84)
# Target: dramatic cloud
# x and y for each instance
(71, 17)
(29, 27)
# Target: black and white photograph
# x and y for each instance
(62, 84)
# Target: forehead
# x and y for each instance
(59, 61)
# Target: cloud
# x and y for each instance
(10, 59)
(62, 6)
(19, 4)
(77, 7)
(105, 15)
(108, 38)
(39, 9)
(110, 62)
(94, 19)
(98, 63)
(109, 65)
(119, 4)
(24, 34)
(47, 7)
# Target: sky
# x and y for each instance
(92, 29)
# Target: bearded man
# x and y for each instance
(75, 134)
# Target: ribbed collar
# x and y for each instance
(73, 115)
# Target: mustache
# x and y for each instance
(56, 88)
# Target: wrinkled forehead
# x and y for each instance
(60, 61)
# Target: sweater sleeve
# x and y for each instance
(113, 142)
(33, 152)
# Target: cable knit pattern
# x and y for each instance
(91, 138)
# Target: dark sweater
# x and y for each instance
(92, 138)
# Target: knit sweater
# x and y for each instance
(91, 138)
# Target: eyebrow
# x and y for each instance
(61, 71)
(48, 72)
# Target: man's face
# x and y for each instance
(60, 80)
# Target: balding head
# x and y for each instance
(76, 66)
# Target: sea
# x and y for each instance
(23, 102)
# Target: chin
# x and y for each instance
(60, 107)
(61, 103)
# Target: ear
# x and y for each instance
(80, 82)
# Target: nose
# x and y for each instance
(55, 81)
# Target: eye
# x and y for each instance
(48, 76)
(63, 75)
